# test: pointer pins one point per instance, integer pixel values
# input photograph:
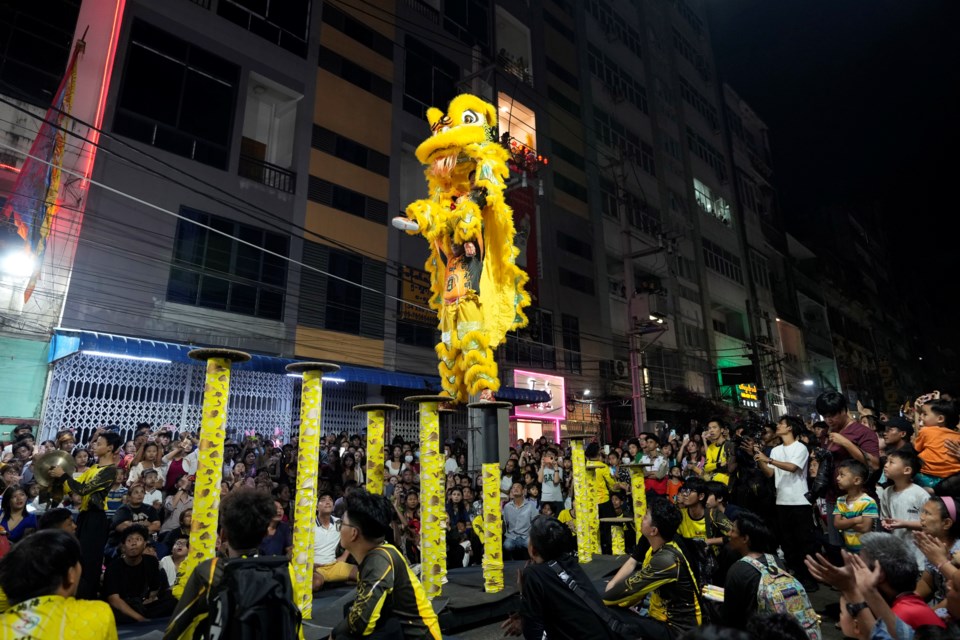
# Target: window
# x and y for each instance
(564, 152)
(693, 337)
(355, 74)
(614, 25)
(706, 152)
(761, 272)
(687, 268)
(532, 345)
(689, 293)
(620, 84)
(672, 147)
(269, 123)
(576, 281)
(574, 246)
(285, 24)
(468, 21)
(370, 38)
(692, 55)
(567, 185)
(518, 120)
(217, 272)
(615, 135)
(720, 326)
(346, 149)
(416, 321)
(700, 103)
(570, 327)
(347, 200)
(176, 96)
(677, 202)
(561, 72)
(35, 44)
(690, 16)
(430, 80)
(559, 27)
(335, 302)
(640, 214)
(560, 99)
(711, 203)
(721, 261)
(747, 189)
(513, 40)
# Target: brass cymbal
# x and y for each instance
(56, 458)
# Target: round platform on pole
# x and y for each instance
(619, 520)
(579, 436)
(375, 407)
(422, 399)
(232, 355)
(303, 367)
(498, 404)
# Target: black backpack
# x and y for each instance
(254, 601)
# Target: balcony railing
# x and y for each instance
(267, 174)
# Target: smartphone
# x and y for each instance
(606, 449)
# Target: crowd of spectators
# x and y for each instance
(740, 506)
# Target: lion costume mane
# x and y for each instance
(466, 177)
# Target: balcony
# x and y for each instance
(267, 174)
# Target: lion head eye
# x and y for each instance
(471, 117)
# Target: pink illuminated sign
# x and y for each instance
(555, 409)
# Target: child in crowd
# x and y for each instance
(117, 495)
(902, 501)
(855, 511)
(533, 494)
(939, 419)
(939, 540)
(153, 495)
(674, 483)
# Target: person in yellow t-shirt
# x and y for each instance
(721, 460)
(40, 576)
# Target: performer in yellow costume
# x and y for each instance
(476, 286)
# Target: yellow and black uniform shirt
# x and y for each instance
(56, 617)
(93, 485)
(667, 577)
(387, 587)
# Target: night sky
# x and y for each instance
(861, 100)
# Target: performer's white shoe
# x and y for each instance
(405, 224)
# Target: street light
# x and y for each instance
(656, 317)
(17, 263)
(808, 382)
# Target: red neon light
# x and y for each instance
(9, 167)
(104, 87)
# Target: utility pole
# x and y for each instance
(635, 330)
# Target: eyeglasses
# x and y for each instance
(685, 490)
(340, 523)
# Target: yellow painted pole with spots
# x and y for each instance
(433, 511)
(638, 491)
(492, 511)
(583, 495)
(308, 461)
(376, 433)
(213, 430)
(595, 471)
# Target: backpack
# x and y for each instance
(253, 601)
(780, 592)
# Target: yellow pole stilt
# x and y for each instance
(376, 432)
(584, 498)
(492, 512)
(638, 490)
(308, 461)
(433, 512)
(206, 494)
(595, 478)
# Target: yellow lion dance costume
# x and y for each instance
(475, 285)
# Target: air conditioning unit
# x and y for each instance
(614, 369)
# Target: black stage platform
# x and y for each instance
(463, 602)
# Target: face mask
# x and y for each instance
(408, 458)
(626, 460)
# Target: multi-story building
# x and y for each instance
(251, 162)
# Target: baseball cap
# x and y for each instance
(901, 424)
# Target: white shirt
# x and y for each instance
(791, 487)
(169, 569)
(552, 490)
(451, 466)
(325, 541)
(904, 505)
